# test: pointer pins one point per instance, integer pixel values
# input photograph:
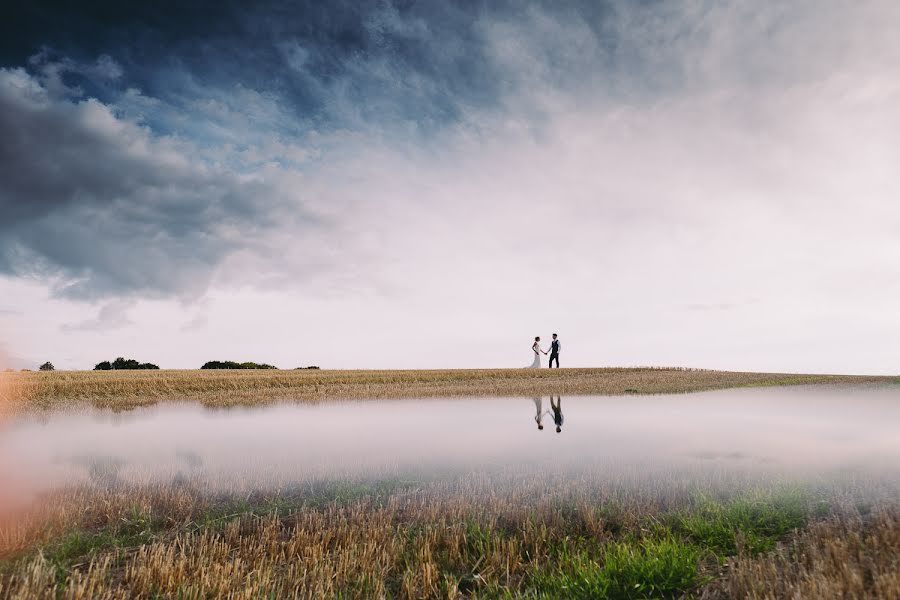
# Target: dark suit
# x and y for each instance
(554, 353)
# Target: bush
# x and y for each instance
(123, 364)
(47, 366)
(230, 364)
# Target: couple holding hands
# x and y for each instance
(555, 347)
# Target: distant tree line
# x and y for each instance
(123, 364)
(131, 364)
(230, 364)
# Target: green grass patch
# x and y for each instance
(753, 524)
(651, 568)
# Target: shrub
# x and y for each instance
(103, 366)
(47, 366)
(230, 364)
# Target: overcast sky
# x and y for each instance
(408, 185)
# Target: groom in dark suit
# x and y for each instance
(554, 351)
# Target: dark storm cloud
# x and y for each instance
(107, 205)
(134, 134)
(145, 143)
(419, 64)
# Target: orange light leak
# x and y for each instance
(5, 478)
(11, 493)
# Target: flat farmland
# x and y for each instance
(122, 390)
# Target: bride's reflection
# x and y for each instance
(539, 412)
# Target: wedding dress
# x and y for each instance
(537, 357)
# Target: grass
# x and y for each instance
(749, 524)
(122, 390)
(844, 556)
(650, 568)
(485, 535)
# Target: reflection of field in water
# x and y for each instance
(774, 432)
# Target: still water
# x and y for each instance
(811, 429)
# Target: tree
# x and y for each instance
(230, 364)
(131, 364)
(47, 366)
(123, 364)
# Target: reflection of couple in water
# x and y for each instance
(557, 412)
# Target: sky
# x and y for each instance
(691, 183)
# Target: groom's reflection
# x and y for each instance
(557, 413)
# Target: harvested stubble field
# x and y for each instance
(483, 535)
(121, 390)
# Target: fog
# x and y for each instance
(794, 432)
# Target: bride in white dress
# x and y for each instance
(536, 348)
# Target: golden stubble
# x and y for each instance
(845, 556)
(123, 390)
(419, 541)
(6, 386)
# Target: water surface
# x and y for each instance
(810, 429)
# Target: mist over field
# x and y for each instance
(383, 185)
(802, 433)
